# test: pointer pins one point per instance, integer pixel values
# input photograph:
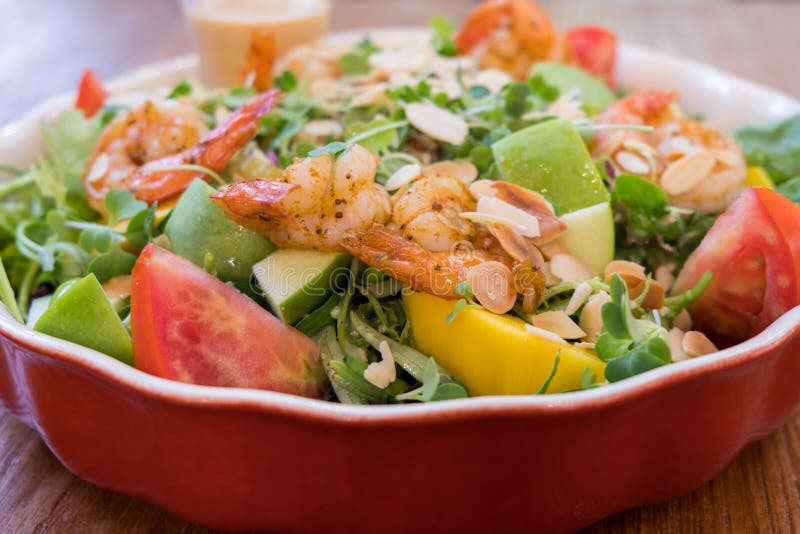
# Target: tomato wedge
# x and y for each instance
(595, 48)
(189, 326)
(91, 94)
(753, 251)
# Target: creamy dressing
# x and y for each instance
(222, 30)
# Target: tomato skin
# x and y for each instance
(595, 48)
(189, 326)
(91, 94)
(753, 251)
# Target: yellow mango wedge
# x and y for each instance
(758, 176)
(494, 354)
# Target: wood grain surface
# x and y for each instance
(44, 46)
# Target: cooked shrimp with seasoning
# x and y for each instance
(694, 164)
(145, 150)
(316, 202)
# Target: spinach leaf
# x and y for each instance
(774, 146)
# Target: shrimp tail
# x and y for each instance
(213, 151)
(480, 24)
(256, 204)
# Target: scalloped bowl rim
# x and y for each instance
(785, 327)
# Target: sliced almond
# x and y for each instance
(683, 320)
(437, 123)
(676, 345)
(584, 345)
(402, 176)
(382, 373)
(624, 267)
(550, 278)
(591, 320)
(579, 297)
(482, 188)
(488, 220)
(494, 206)
(632, 163)
(697, 344)
(492, 79)
(321, 128)
(569, 268)
(461, 170)
(374, 94)
(99, 168)
(118, 287)
(552, 248)
(687, 172)
(492, 283)
(566, 107)
(550, 226)
(664, 275)
(675, 146)
(546, 334)
(559, 323)
(515, 245)
(728, 157)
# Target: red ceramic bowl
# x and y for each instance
(254, 460)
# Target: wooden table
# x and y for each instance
(45, 45)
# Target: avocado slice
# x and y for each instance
(198, 227)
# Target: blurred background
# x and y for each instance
(46, 44)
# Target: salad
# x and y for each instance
(483, 213)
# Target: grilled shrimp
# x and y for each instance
(695, 165)
(136, 144)
(510, 35)
(428, 213)
(315, 203)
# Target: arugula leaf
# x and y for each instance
(374, 136)
(121, 204)
(774, 146)
(550, 375)
(442, 41)
(468, 301)
(183, 89)
(629, 345)
(286, 81)
(357, 60)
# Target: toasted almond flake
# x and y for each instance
(552, 248)
(322, 128)
(382, 373)
(402, 176)
(624, 267)
(569, 268)
(632, 163)
(676, 345)
(687, 172)
(482, 188)
(641, 148)
(492, 79)
(550, 278)
(99, 168)
(559, 323)
(683, 320)
(371, 95)
(664, 275)
(118, 287)
(528, 223)
(591, 320)
(492, 283)
(728, 157)
(675, 145)
(464, 171)
(697, 344)
(394, 61)
(566, 107)
(579, 297)
(546, 334)
(436, 122)
(450, 88)
(487, 219)
(583, 345)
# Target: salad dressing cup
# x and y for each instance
(222, 30)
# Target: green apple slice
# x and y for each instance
(590, 235)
